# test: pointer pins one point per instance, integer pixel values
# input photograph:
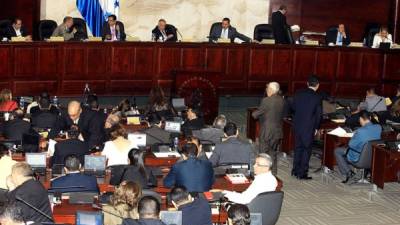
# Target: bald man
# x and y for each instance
(89, 124)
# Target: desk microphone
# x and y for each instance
(34, 208)
(180, 35)
(94, 206)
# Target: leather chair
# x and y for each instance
(331, 32)
(212, 27)
(370, 30)
(4, 26)
(46, 29)
(80, 26)
(117, 173)
(269, 204)
(365, 160)
(289, 35)
(263, 31)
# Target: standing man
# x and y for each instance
(64, 30)
(338, 36)
(307, 108)
(279, 26)
(270, 113)
(113, 30)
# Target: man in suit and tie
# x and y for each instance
(16, 127)
(155, 134)
(17, 30)
(280, 26)
(113, 30)
(226, 31)
(270, 115)
(307, 108)
(65, 29)
(338, 36)
(74, 180)
(164, 32)
(71, 146)
(212, 134)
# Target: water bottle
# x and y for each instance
(55, 101)
(176, 143)
(22, 103)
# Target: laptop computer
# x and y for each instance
(89, 218)
(256, 219)
(171, 217)
(179, 104)
(173, 127)
(384, 46)
(95, 165)
(37, 161)
(138, 138)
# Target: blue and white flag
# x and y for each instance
(96, 12)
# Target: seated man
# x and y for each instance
(71, 146)
(155, 134)
(17, 30)
(149, 213)
(192, 173)
(195, 211)
(74, 180)
(263, 181)
(11, 214)
(367, 132)
(226, 31)
(212, 134)
(164, 32)
(113, 30)
(16, 127)
(232, 150)
(44, 115)
(382, 37)
(238, 214)
(64, 29)
(338, 37)
(193, 122)
(23, 186)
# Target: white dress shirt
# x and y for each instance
(224, 33)
(262, 183)
(378, 40)
(18, 32)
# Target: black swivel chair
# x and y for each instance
(289, 35)
(80, 26)
(331, 32)
(263, 31)
(4, 26)
(370, 30)
(46, 29)
(211, 39)
(269, 204)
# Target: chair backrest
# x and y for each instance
(370, 30)
(269, 204)
(44, 119)
(331, 31)
(213, 26)
(117, 174)
(46, 29)
(174, 30)
(80, 26)
(289, 35)
(365, 160)
(263, 31)
(4, 26)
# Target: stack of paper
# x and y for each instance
(237, 178)
(167, 154)
(340, 132)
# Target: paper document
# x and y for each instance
(167, 154)
(340, 132)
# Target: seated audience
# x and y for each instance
(65, 29)
(116, 150)
(149, 213)
(238, 214)
(193, 122)
(192, 173)
(17, 30)
(382, 37)
(212, 134)
(6, 163)
(264, 181)
(113, 30)
(11, 214)
(123, 203)
(6, 102)
(226, 31)
(71, 146)
(367, 132)
(155, 134)
(22, 185)
(232, 150)
(74, 180)
(158, 104)
(164, 32)
(194, 140)
(16, 126)
(340, 37)
(137, 171)
(195, 211)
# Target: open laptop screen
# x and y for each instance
(94, 162)
(138, 139)
(89, 218)
(36, 159)
(174, 127)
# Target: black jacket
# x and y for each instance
(11, 32)
(156, 135)
(44, 118)
(107, 31)
(191, 125)
(331, 37)
(169, 30)
(14, 129)
(197, 212)
(142, 222)
(232, 34)
(232, 151)
(69, 147)
(86, 183)
(279, 27)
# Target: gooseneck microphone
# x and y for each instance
(34, 208)
(94, 206)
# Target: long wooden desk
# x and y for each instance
(385, 165)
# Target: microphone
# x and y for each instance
(180, 35)
(34, 208)
(94, 206)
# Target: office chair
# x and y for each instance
(263, 31)
(212, 27)
(331, 32)
(370, 30)
(269, 204)
(80, 26)
(46, 29)
(4, 26)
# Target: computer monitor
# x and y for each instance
(179, 104)
(36, 160)
(138, 138)
(89, 218)
(171, 217)
(173, 127)
(95, 163)
(256, 219)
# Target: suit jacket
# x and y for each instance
(197, 212)
(69, 147)
(307, 109)
(142, 222)
(85, 182)
(33, 192)
(270, 114)
(211, 134)
(62, 31)
(12, 33)
(331, 37)
(107, 31)
(156, 135)
(169, 29)
(14, 129)
(279, 28)
(232, 34)
(369, 132)
(194, 174)
(191, 125)
(132, 173)
(44, 119)
(90, 127)
(232, 151)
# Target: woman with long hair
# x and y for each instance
(6, 102)
(158, 103)
(137, 171)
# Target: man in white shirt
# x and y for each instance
(264, 181)
(382, 37)
(17, 30)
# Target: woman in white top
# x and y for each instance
(116, 150)
(382, 37)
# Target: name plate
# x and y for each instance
(311, 43)
(56, 39)
(132, 39)
(356, 44)
(268, 41)
(18, 39)
(95, 39)
(223, 40)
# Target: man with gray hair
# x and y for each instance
(270, 115)
(263, 181)
(12, 214)
(212, 134)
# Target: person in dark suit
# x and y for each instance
(164, 32)
(44, 115)
(226, 31)
(307, 108)
(338, 36)
(113, 30)
(88, 124)
(280, 26)
(74, 180)
(149, 213)
(23, 186)
(71, 146)
(16, 127)
(212, 134)
(155, 134)
(194, 121)
(232, 150)
(270, 114)
(93, 104)
(194, 174)
(17, 30)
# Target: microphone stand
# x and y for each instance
(34, 208)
